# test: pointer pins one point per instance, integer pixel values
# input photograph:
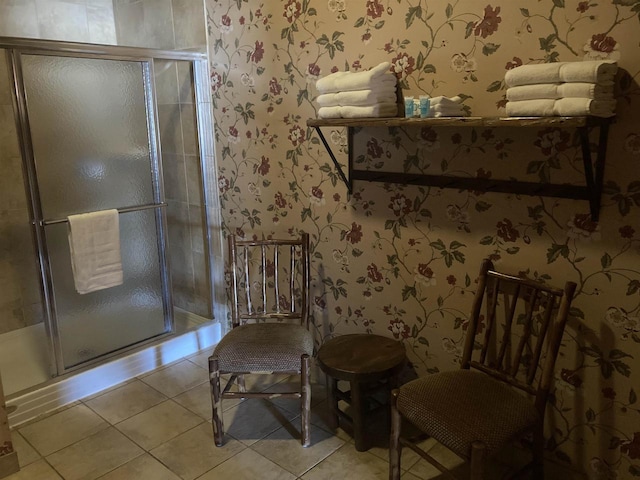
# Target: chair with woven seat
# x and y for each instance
(491, 399)
(270, 320)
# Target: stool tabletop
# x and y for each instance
(361, 357)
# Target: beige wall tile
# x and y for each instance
(18, 18)
(194, 180)
(189, 133)
(166, 80)
(62, 21)
(175, 177)
(170, 128)
(158, 24)
(129, 20)
(101, 24)
(189, 24)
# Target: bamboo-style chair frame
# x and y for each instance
(501, 362)
(249, 312)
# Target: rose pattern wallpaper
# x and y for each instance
(401, 260)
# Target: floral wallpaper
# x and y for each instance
(401, 260)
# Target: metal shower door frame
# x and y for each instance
(16, 47)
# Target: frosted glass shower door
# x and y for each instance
(93, 141)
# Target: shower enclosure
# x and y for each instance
(102, 128)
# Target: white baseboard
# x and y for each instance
(83, 384)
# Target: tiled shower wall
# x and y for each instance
(89, 21)
(20, 303)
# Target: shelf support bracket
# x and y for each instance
(595, 179)
(333, 157)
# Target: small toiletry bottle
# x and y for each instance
(408, 107)
(425, 102)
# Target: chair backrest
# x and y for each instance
(518, 338)
(269, 280)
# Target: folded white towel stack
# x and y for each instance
(94, 242)
(447, 107)
(561, 89)
(371, 93)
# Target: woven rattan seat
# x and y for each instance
(493, 412)
(262, 348)
(476, 410)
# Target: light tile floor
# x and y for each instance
(158, 426)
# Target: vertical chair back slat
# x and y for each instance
(506, 338)
(492, 302)
(526, 335)
(263, 265)
(247, 280)
(276, 277)
(234, 280)
(292, 278)
(544, 326)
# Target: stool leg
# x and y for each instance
(357, 406)
(395, 447)
(332, 388)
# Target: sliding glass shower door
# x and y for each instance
(93, 141)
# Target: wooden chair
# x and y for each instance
(476, 410)
(270, 320)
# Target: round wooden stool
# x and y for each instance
(360, 359)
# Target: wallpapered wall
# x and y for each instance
(401, 260)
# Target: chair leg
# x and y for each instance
(538, 452)
(478, 450)
(395, 447)
(216, 400)
(305, 400)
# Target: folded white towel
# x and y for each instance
(354, 82)
(367, 97)
(575, 107)
(560, 90)
(601, 72)
(346, 81)
(380, 110)
(564, 107)
(329, 112)
(585, 90)
(460, 113)
(449, 101)
(531, 108)
(357, 97)
(440, 108)
(327, 100)
(94, 242)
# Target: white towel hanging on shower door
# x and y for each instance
(94, 241)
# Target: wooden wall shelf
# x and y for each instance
(593, 170)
